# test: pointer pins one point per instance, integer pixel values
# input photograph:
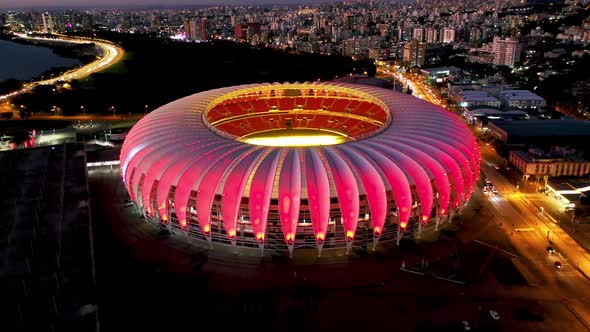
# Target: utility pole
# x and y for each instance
(573, 220)
(546, 178)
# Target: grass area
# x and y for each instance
(120, 68)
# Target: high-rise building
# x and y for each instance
(190, 29)
(241, 31)
(431, 35)
(204, 32)
(414, 53)
(47, 23)
(448, 35)
(37, 21)
(506, 51)
(253, 31)
(419, 34)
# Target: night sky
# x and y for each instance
(136, 3)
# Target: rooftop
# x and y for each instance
(450, 69)
(547, 157)
(48, 266)
(545, 128)
(477, 95)
(519, 94)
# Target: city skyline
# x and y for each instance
(89, 4)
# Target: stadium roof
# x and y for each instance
(392, 144)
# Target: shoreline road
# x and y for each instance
(111, 55)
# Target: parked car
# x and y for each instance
(494, 314)
(466, 326)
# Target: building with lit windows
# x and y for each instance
(507, 51)
(448, 35)
(303, 165)
(521, 99)
(190, 28)
(538, 163)
(414, 53)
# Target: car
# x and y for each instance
(485, 190)
(558, 265)
(497, 167)
(466, 326)
(488, 181)
(550, 249)
(494, 190)
(494, 314)
(526, 314)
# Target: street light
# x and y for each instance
(83, 109)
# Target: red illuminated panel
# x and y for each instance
(346, 189)
(313, 103)
(170, 174)
(260, 191)
(318, 192)
(457, 141)
(234, 186)
(374, 186)
(397, 180)
(436, 170)
(149, 144)
(286, 103)
(290, 193)
(414, 170)
(260, 105)
(208, 186)
(153, 164)
(458, 155)
(190, 179)
(453, 170)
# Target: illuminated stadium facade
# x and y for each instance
(312, 165)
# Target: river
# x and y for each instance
(24, 62)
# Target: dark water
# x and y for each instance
(24, 62)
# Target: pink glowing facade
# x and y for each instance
(405, 164)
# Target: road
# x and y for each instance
(543, 221)
(530, 230)
(531, 233)
(111, 55)
(419, 87)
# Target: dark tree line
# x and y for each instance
(157, 71)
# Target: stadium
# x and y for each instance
(299, 165)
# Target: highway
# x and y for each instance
(111, 55)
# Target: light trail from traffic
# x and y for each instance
(420, 89)
(111, 55)
(530, 230)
